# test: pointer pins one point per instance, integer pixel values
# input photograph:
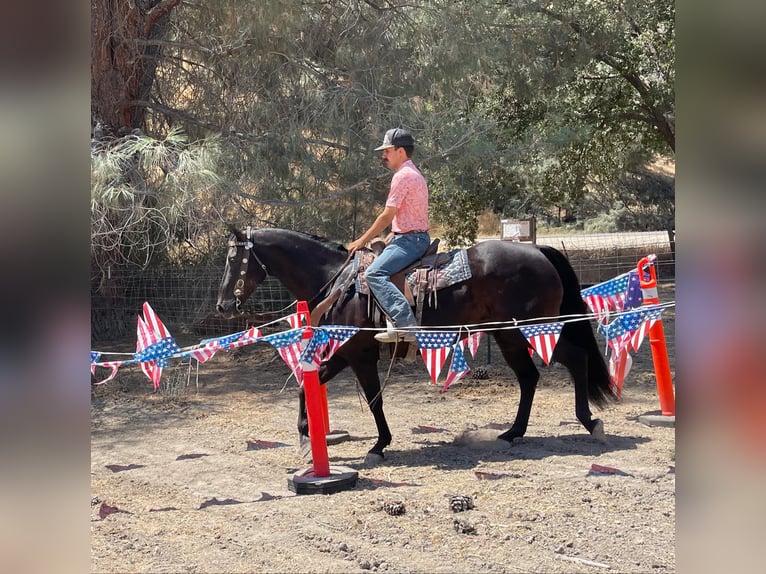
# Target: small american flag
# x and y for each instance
(113, 365)
(288, 345)
(153, 322)
(252, 335)
(598, 306)
(434, 347)
(458, 368)
(612, 291)
(144, 338)
(293, 320)
(634, 297)
(94, 357)
(338, 335)
(638, 323)
(543, 338)
(159, 352)
(314, 348)
(473, 340)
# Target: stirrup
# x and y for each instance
(392, 334)
(396, 335)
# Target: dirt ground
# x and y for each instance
(198, 482)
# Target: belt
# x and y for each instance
(410, 232)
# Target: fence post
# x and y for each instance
(648, 283)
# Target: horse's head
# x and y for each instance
(244, 271)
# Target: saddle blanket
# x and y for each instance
(453, 269)
(450, 268)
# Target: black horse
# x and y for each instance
(509, 281)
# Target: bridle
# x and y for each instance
(248, 245)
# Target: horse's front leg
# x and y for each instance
(327, 371)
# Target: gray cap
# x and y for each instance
(397, 137)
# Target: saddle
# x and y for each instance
(418, 282)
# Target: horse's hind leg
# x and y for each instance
(516, 355)
(575, 358)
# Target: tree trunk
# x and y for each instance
(123, 63)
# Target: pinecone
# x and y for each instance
(480, 373)
(460, 503)
(394, 508)
(463, 527)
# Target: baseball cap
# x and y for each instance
(396, 137)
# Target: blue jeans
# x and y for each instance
(401, 252)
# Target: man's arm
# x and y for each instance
(381, 222)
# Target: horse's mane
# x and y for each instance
(323, 240)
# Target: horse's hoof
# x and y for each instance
(510, 437)
(373, 459)
(598, 430)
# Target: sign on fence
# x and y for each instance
(518, 230)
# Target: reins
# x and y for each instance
(333, 278)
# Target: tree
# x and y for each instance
(589, 94)
(516, 105)
(125, 38)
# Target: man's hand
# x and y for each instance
(355, 245)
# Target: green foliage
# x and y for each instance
(526, 108)
(150, 197)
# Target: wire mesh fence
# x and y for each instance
(601, 256)
(185, 297)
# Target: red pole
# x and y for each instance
(325, 412)
(657, 338)
(314, 408)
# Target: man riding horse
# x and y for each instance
(406, 210)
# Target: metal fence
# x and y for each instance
(185, 298)
(601, 256)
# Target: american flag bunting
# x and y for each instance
(434, 348)
(252, 335)
(338, 335)
(314, 348)
(620, 362)
(598, 306)
(472, 341)
(293, 320)
(153, 322)
(145, 338)
(113, 365)
(612, 292)
(94, 357)
(458, 367)
(288, 345)
(638, 323)
(634, 297)
(543, 338)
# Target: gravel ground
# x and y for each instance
(198, 482)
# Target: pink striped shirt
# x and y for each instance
(409, 195)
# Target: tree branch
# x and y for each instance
(156, 12)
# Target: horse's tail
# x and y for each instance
(581, 333)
